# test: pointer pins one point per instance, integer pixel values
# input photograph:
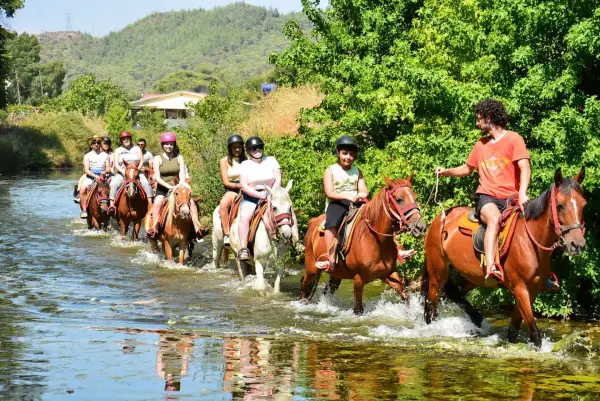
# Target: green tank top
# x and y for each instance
(169, 169)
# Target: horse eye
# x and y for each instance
(399, 200)
(275, 208)
(560, 207)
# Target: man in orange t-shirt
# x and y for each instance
(502, 161)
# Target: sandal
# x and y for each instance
(243, 254)
(497, 273)
(151, 234)
(552, 283)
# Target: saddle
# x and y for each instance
(346, 230)
(469, 225)
(259, 212)
(122, 189)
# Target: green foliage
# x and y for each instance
(117, 120)
(403, 77)
(237, 39)
(195, 81)
(30, 81)
(7, 9)
(152, 122)
(90, 97)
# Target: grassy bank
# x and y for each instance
(45, 140)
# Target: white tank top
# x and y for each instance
(128, 156)
(97, 162)
(233, 172)
(261, 174)
(344, 182)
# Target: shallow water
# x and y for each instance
(86, 316)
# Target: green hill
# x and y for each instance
(235, 41)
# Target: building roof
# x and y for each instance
(171, 101)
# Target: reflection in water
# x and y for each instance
(172, 359)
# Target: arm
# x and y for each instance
(277, 182)
(182, 169)
(460, 171)
(141, 159)
(525, 175)
(329, 190)
(107, 166)
(118, 163)
(86, 167)
(225, 178)
(248, 189)
(363, 191)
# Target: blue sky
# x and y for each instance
(99, 17)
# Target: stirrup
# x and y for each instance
(552, 284)
(243, 254)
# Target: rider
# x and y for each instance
(77, 189)
(169, 166)
(502, 161)
(230, 174)
(126, 154)
(106, 146)
(146, 155)
(344, 184)
(95, 164)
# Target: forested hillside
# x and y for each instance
(235, 41)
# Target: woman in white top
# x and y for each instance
(95, 165)
(257, 173)
(230, 174)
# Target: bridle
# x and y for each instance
(179, 205)
(276, 220)
(398, 215)
(559, 229)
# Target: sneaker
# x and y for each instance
(226, 241)
(77, 200)
(83, 215)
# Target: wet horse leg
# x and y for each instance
(332, 285)
(136, 230)
(397, 283)
(459, 297)
(515, 324)
(124, 226)
(358, 294)
(525, 298)
(182, 247)
(436, 277)
(168, 250)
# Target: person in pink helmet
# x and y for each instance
(169, 167)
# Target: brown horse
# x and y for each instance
(551, 220)
(98, 217)
(132, 204)
(178, 222)
(373, 253)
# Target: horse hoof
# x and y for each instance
(358, 312)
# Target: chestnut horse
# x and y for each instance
(97, 206)
(553, 219)
(178, 223)
(132, 204)
(373, 252)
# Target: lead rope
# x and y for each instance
(434, 193)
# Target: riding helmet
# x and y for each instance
(254, 141)
(168, 137)
(235, 138)
(124, 134)
(106, 139)
(346, 142)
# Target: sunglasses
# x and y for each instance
(95, 143)
(255, 148)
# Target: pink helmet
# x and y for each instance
(168, 137)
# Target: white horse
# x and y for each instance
(277, 222)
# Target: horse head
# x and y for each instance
(103, 192)
(402, 205)
(567, 204)
(179, 201)
(281, 210)
(131, 175)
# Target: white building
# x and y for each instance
(171, 105)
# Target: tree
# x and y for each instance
(8, 9)
(117, 120)
(152, 122)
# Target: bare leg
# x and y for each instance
(224, 207)
(490, 216)
(246, 211)
(156, 212)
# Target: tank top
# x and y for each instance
(97, 162)
(233, 172)
(128, 156)
(260, 174)
(344, 182)
(169, 168)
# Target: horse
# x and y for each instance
(178, 222)
(552, 220)
(97, 206)
(278, 219)
(373, 252)
(132, 206)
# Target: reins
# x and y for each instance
(398, 215)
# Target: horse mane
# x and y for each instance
(536, 207)
(171, 202)
(374, 210)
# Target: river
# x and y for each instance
(86, 316)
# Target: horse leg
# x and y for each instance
(123, 228)
(310, 279)
(397, 283)
(524, 299)
(460, 298)
(358, 294)
(332, 285)
(217, 245)
(168, 250)
(260, 278)
(136, 230)
(225, 256)
(182, 247)
(277, 284)
(515, 324)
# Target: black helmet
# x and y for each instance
(347, 142)
(106, 139)
(235, 138)
(254, 141)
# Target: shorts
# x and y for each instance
(485, 199)
(235, 191)
(249, 198)
(334, 215)
(161, 191)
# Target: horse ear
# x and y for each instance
(269, 190)
(388, 181)
(558, 177)
(410, 177)
(581, 175)
(289, 186)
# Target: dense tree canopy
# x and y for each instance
(403, 76)
(7, 10)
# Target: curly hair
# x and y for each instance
(494, 110)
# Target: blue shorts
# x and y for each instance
(249, 198)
